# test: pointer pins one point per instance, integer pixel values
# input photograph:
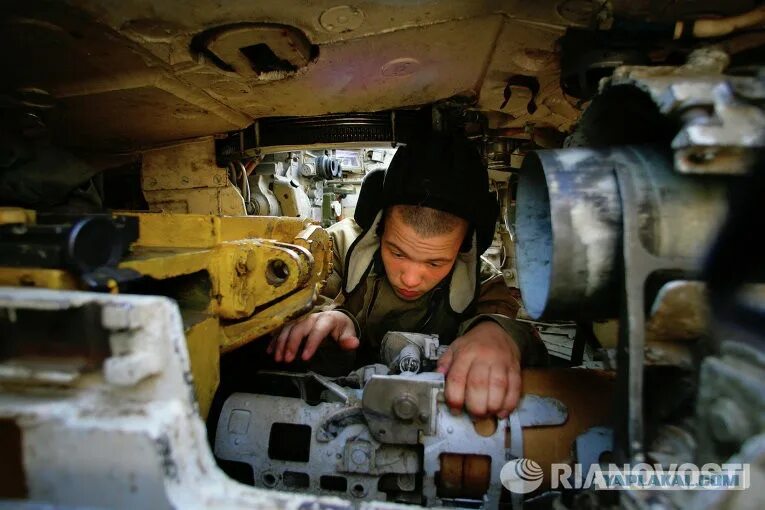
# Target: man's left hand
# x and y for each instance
(483, 371)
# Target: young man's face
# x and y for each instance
(415, 264)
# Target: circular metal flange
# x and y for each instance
(341, 18)
(400, 67)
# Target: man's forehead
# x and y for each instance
(409, 214)
(434, 246)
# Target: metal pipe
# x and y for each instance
(569, 224)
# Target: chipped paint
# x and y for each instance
(144, 446)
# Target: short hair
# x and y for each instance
(427, 221)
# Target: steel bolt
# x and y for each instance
(729, 424)
(359, 456)
(405, 406)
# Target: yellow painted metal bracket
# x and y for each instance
(268, 320)
(262, 271)
(34, 277)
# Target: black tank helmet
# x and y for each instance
(442, 172)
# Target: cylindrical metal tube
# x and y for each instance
(409, 359)
(569, 224)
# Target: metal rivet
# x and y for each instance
(405, 406)
(341, 18)
(359, 456)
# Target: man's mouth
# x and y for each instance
(409, 294)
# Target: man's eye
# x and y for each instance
(398, 255)
(435, 264)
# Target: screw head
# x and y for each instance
(359, 456)
(406, 406)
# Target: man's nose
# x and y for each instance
(410, 277)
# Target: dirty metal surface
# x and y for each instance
(127, 436)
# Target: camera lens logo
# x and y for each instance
(521, 476)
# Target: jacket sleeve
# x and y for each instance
(500, 304)
(342, 233)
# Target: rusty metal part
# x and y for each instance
(464, 476)
(587, 394)
(679, 313)
(476, 473)
(674, 354)
(450, 480)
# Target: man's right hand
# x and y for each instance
(310, 331)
